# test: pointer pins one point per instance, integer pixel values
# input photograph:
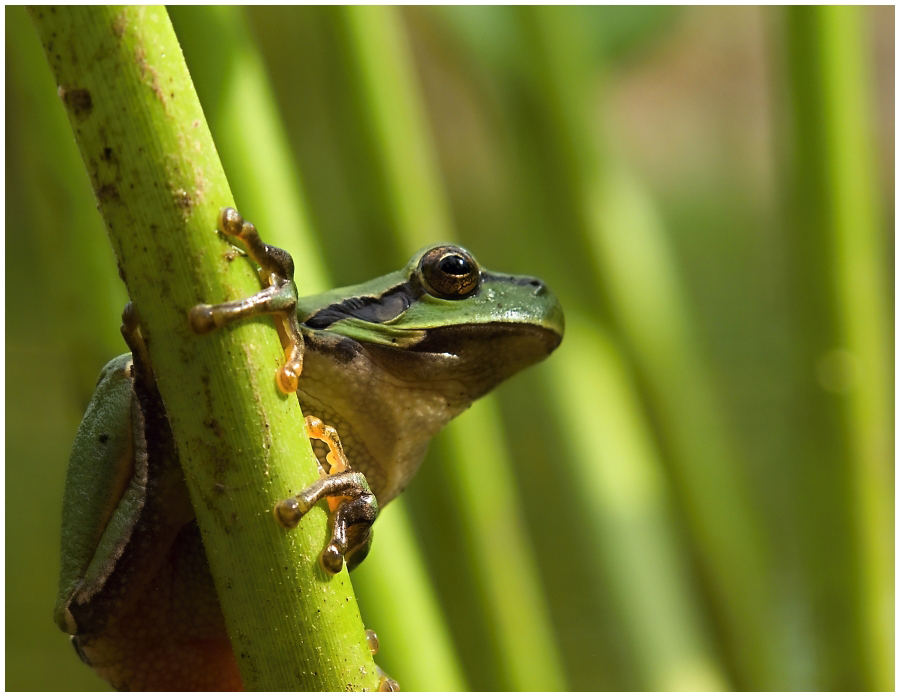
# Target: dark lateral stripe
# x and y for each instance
(368, 308)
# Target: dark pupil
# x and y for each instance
(455, 265)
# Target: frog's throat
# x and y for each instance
(387, 403)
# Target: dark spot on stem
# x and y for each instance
(79, 102)
(184, 201)
(107, 192)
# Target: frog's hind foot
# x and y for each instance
(279, 298)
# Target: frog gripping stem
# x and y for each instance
(352, 502)
(352, 519)
(349, 496)
(278, 298)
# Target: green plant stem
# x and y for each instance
(860, 279)
(625, 491)
(396, 116)
(525, 642)
(638, 281)
(159, 184)
(843, 363)
(78, 268)
(507, 574)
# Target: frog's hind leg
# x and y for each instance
(279, 298)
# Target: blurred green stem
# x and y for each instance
(858, 236)
(638, 280)
(838, 244)
(623, 488)
(386, 79)
(396, 116)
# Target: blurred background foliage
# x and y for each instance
(695, 490)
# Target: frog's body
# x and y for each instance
(387, 363)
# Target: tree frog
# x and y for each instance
(385, 364)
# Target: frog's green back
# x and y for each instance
(102, 498)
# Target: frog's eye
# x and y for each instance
(449, 272)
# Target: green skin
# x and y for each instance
(388, 363)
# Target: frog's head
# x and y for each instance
(443, 317)
(393, 360)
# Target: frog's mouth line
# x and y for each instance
(458, 339)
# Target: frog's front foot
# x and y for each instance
(352, 502)
(279, 298)
(351, 534)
